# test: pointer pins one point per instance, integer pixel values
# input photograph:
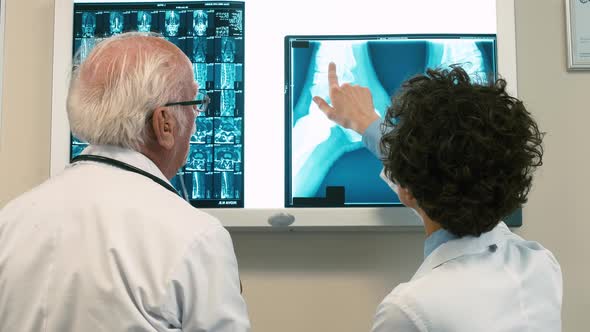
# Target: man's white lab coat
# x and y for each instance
(497, 282)
(97, 248)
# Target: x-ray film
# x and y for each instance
(202, 185)
(228, 159)
(204, 76)
(144, 21)
(227, 103)
(116, 23)
(211, 34)
(171, 23)
(200, 158)
(328, 165)
(228, 76)
(202, 50)
(228, 130)
(204, 131)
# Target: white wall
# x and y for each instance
(26, 102)
(556, 214)
(333, 281)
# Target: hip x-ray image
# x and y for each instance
(204, 132)
(144, 21)
(199, 158)
(324, 154)
(228, 130)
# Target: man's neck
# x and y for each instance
(157, 157)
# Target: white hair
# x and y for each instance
(116, 89)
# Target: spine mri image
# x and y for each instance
(323, 154)
(211, 34)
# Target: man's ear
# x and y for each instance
(164, 125)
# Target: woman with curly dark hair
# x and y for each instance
(461, 155)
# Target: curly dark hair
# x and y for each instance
(466, 151)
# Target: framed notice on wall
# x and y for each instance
(578, 34)
(2, 20)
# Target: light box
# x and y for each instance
(248, 160)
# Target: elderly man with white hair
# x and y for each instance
(108, 245)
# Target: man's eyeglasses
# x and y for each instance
(202, 100)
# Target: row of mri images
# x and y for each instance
(211, 34)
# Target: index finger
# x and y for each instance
(332, 77)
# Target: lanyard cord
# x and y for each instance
(133, 169)
(126, 167)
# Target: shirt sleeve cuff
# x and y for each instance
(372, 138)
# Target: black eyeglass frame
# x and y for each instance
(205, 101)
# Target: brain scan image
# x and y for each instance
(200, 49)
(324, 153)
(228, 103)
(227, 130)
(199, 158)
(200, 22)
(88, 25)
(228, 49)
(227, 159)
(116, 22)
(144, 21)
(204, 132)
(171, 23)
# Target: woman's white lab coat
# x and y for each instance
(497, 282)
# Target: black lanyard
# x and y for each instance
(126, 167)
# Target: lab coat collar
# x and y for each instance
(463, 246)
(127, 156)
